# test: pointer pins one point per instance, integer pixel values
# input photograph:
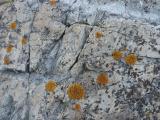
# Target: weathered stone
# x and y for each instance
(45, 105)
(18, 56)
(71, 46)
(13, 96)
(72, 41)
(44, 46)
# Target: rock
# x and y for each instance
(18, 56)
(14, 88)
(45, 105)
(24, 13)
(72, 42)
(33, 4)
(8, 100)
(45, 45)
(7, 107)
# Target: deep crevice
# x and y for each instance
(86, 37)
(29, 48)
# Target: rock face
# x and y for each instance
(70, 41)
(14, 96)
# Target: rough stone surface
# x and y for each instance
(14, 103)
(62, 46)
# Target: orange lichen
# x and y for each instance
(13, 25)
(102, 79)
(117, 55)
(77, 107)
(76, 91)
(131, 59)
(50, 86)
(53, 2)
(99, 34)
(24, 40)
(6, 60)
(9, 48)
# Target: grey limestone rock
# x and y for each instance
(60, 43)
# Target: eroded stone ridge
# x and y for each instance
(73, 41)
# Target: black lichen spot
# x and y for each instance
(146, 83)
(156, 69)
(107, 110)
(116, 103)
(41, 1)
(146, 9)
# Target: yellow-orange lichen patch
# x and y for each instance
(50, 86)
(6, 60)
(117, 55)
(77, 107)
(9, 48)
(53, 3)
(76, 91)
(98, 34)
(102, 79)
(131, 59)
(23, 40)
(13, 25)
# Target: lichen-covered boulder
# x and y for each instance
(79, 59)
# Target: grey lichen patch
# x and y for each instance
(44, 46)
(73, 42)
(13, 96)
